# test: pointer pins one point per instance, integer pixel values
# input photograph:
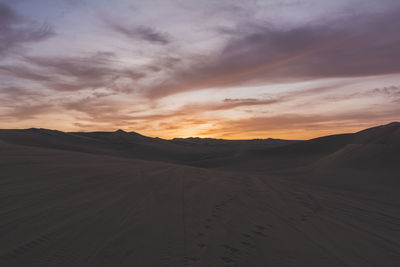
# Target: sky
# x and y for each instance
(292, 69)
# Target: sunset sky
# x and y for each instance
(293, 69)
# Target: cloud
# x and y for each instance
(193, 109)
(91, 67)
(19, 103)
(301, 126)
(16, 31)
(96, 109)
(318, 94)
(23, 112)
(100, 110)
(140, 32)
(98, 70)
(24, 72)
(13, 92)
(257, 53)
(227, 104)
(391, 91)
(236, 46)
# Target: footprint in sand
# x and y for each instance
(231, 249)
(259, 233)
(227, 259)
(246, 235)
(247, 244)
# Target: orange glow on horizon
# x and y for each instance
(289, 133)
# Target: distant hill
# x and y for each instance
(375, 146)
(270, 142)
(134, 145)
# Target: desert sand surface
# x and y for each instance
(122, 199)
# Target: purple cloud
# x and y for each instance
(16, 31)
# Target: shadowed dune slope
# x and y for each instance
(378, 146)
(388, 134)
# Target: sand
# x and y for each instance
(70, 208)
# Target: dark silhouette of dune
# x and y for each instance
(386, 134)
(303, 154)
(371, 150)
(134, 145)
(123, 199)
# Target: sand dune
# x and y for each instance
(379, 145)
(134, 145)
(73, 207)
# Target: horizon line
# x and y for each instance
(198, 137)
